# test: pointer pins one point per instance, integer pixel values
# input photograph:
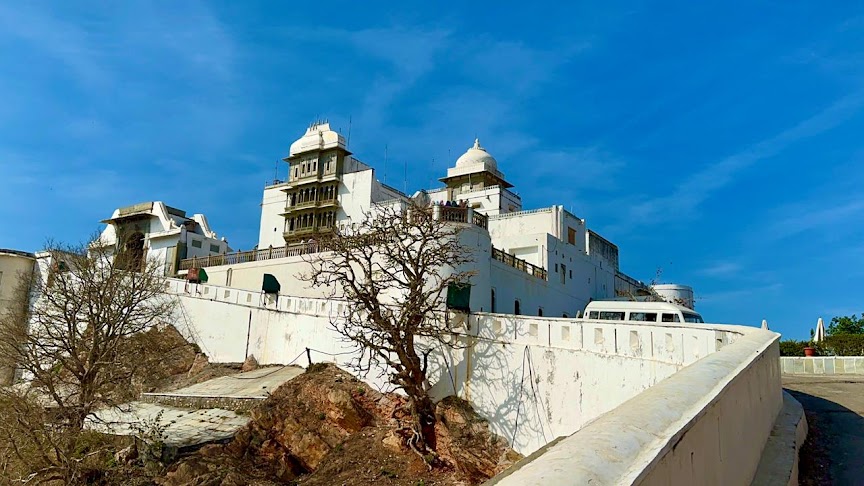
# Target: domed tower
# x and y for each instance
(316, 164)
(476, 179)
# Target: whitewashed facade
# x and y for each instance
(542, 262)
(326, 187)
(162, 233)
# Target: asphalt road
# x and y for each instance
(834, 450)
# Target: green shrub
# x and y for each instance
(792, 347)
(836, 345)
(844, 345)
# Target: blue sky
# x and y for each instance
(720, 144)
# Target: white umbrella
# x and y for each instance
(820, 331)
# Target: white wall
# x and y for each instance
(355, 196)
(272, 222)
(492, 200)
(13, 266)
(706, 424)
(554, 374)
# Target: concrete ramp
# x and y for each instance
(181, 428)
(238, 392)
(255, 384)
(196, 415)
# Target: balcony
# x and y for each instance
(250, 256)
(307, 231)
(456, 214)
(310, 204)
(333, 202)
(519, 264)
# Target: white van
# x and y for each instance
(624, 310)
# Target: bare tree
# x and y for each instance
(76, 337)
(394, 270)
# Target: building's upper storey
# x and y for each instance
(476, 180)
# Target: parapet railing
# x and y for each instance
(451, 214)
(458, 214)
(250, 256)
(522, 213)
(520, 264)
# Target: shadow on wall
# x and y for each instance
(508, 384)
(834, 450)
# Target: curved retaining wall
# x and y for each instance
(705, 424)
(539, 378)
(533, 378)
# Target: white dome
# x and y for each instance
(318, 136)
(477, 155)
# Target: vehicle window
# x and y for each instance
(671, 318)
(643, 316)
(693, 318)
(611, 316)
(593, 315)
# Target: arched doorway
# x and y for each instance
(516, 308)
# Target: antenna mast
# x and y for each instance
(348, 139)
(385, 163)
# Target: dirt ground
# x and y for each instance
(325, 427)
(834, 450)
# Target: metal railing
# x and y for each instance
(519, 264)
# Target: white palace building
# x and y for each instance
(598, 401)
(542, 262)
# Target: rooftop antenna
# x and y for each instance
(405, 177)
(385, 163)
(276, 171)
(348, 138)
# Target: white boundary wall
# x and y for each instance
(823, 365)
(533, 378)
(706, 424)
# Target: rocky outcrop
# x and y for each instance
(250, 364)
(329, 428)
(198, 365)
(465, 438)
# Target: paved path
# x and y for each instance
(182, 428)
(194, 424)
(252, 384)
(834, 450)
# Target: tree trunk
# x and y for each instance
(425, 417)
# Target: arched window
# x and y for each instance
(228, 275)
(516, 308)
(493, 302)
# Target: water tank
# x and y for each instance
(676, 294)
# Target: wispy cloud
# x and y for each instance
(690, 193)
(806, 218)
(69, 44)
(721, 269)
(750, 293)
